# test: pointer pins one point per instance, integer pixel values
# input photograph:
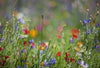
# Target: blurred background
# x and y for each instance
(57, 13)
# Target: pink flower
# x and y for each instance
(59, 36)
(58, 53)
(26, 31)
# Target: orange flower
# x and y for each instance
(42, 63)
(79, 43)
(42, 48)
(28, 63)
(33, 32)
(77, 48)
(24, 47)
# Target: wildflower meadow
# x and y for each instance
(46, 40)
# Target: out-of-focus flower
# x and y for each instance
(30, 41)
(6, 56)
(60, 29)
(82, 63)
(26, 31)
(21, 20)
(75, 36)
(19, 66)
(42, 47)
(86, 20)
(75, 31)
(77, 48)
(52, 61)
(39, 27)
(72, 59)
(58, 53)
(24, 42)
(28, 63)
(33, 32)
(1, 48)
(79, 44)
(42, 63)
(59, 36)
(96, 46)
(45, 21)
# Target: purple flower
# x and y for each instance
(39, 27)
(32, 46)
(16, 25)
(97, 46)
(79, 61)
(30, 41)
(21, 20)
(23, 50)
(86, 20)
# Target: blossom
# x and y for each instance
(30, 41)
(75, 36)
(26, 31)
(42, 63)
(72, 59)
(52, 61)
(86, 20)
(75, 31)
(24, 42)
(28, 63)
(39, 27)
(59, 36)
(21, 20)
(1, 48)
(58, 53)
(42, 47)
(82, 63)
(6, 56)
(66, 53)
(33, 32)
(96, 46)
(79, 44)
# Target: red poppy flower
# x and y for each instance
(24, 42)
(1, 48)
(75, 36)
(72, 59)
(26, 31)
(6, 56)
(32, 43)
(58, 53)
(66, 53)
(75, 31)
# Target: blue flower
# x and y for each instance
(79, 61)
(86, 20)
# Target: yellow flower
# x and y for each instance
(37, 46)
(42, 48)
(77, 48)
(33, 32)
